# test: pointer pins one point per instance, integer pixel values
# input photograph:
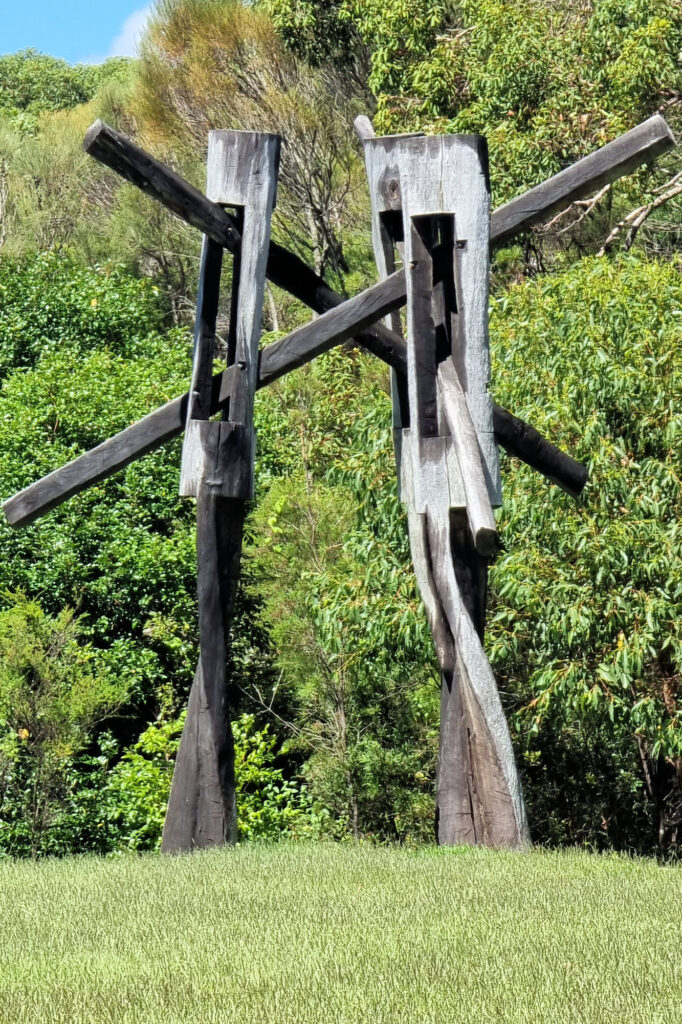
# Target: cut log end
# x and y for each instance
(93, 132)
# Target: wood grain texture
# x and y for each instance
(472, 713)
(438, 189)
(331, 329)
(218, 462)
(242, 172)
(288, 271)
(440, 184)
(201, 386)
(625, 154)
(479, 509)
(519, 438)
(387, 241)
(202, 806)
(242, 168)
(220, 453)
(364, 128)
(528, 444)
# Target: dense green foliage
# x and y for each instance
(53, 689)
(32, 83)
(545, 84)
(303, 934)
(594, 357)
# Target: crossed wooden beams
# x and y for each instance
(201, 808)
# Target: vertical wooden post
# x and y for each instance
(430, 196)
(217, 468)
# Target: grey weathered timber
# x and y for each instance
(217, 467)
(167, 422)
(364, 127)
(489, 788)
(199, 404)
(242, 169)
(208, 297)
(202, 803)
(289, 272)
(332, 328)
(625, 154)
(447, 284)
(524, 442)
(242, 173)
(431, 195)
(452, 401)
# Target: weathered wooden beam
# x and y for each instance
(201, 384)
(242, 173)
(217, 467)
(202, 809)
(288, 271)
(436, 191)
(333, 328)
(482, 525)
(639, 146)
(163, 424)
(518, 438)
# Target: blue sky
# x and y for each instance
(78, 30)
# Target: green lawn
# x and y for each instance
(322, 934)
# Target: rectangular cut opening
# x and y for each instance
(434, 301)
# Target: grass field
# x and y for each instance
(322, 934)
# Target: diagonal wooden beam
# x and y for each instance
(297, 348)
(640, 145)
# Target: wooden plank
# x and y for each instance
(284, 268)
(640, 145)
(387, 240)
(519, 438)
(201, 385)
(444, 186)
(202, 808)
(524, 442)
(475, 752)
(331, 329)
(364, 128)
(478, 506)
(97, 464)
(199, 405)
(288, 271)
(219, 461)
(242, 169)
(221, 454)
(169, 420)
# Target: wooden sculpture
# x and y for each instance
(430, 201)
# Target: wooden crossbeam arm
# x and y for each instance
(482, 525)
(276, 359)
(641, 145)
(517, 437)
(291, 273)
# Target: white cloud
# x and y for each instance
(126, 42)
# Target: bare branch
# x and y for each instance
(634, 220)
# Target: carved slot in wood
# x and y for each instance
(435, 301)
(393, 245)
(238, 217)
